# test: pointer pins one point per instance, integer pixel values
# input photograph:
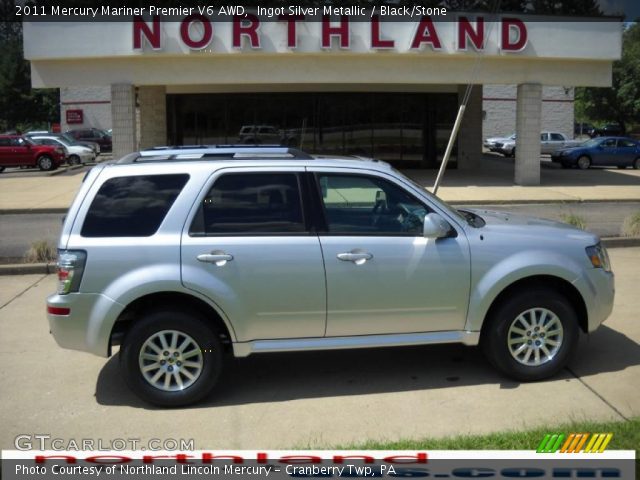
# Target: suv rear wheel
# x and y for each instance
(171, 358)
(531, 335)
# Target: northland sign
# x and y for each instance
(198, 32)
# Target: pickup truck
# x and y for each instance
(549, 143)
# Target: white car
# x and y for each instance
(492, 143)
(76, 154)
(550, 142)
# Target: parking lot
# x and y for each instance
(313, 399)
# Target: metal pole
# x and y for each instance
(447, 153)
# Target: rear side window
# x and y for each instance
(253, 204)
(132, 206)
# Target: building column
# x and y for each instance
(123, 118)
(153, 116)
(528, 126)
(470, 134)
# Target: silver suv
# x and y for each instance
(185, 256)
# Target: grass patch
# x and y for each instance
(626, 436)
(631, 225)
(575, 220)
(41, 251)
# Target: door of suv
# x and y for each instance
(249, 249)
(383, 276)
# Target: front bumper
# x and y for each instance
(88, 325)
(598, 291)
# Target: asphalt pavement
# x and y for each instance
(603, 218)
(315, 399)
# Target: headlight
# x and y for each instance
(599, 257)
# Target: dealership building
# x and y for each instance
(388, 88)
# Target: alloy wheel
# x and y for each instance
(171, 360)
(535, 337)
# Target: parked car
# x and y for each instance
(620, 152)
(608, 130)
(68, 139)
(259, 134)
(95, 135)
(19, 151)
(549, 143)
(75, 154)
(186, 256)
(491, 143)
(582, 128)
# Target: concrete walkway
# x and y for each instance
(492, 183)
(318, 399)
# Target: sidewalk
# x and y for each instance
(492, 183)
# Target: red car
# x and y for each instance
(18, 151)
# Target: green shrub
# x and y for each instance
(41, 251)
(575, 220)
(631, 225)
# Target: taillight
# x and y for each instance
(70, 268)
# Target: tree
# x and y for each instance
(20, 105)
(621, 102)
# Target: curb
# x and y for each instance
(27, 269)
(25, 211)
(470, 203)
(621, 242)
(47, 268)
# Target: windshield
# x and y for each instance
(441, 203)
(67, 138)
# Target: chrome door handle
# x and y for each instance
(217, 257)
(356, 257)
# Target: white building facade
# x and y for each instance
(388, 89)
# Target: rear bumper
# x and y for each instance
(88, 325)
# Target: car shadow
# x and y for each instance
(281, 377)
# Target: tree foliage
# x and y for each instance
(20, 105)
(621, 102)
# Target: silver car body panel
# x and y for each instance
(272, 296)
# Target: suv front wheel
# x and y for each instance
(171, 358)
(531, 335)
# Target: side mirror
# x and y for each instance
(435, 226)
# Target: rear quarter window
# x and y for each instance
(133, 206)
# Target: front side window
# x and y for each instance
(609, 143)
(133, 206)
(366, 205)
(557, 137)
(251, 204)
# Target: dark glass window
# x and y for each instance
(364, 205)
(557, 137)
(251, 203)
(626, 143)
(132, 206)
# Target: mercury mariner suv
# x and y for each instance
(185, 256)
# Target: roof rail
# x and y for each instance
(214, 152)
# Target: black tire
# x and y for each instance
(636, 163)
(2, 169)
(189, 323)
(495, 335)
(583, 162)
(622, 167)
(46, 163)
(74, 160)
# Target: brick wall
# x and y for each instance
(499, 107)
(95, 103)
